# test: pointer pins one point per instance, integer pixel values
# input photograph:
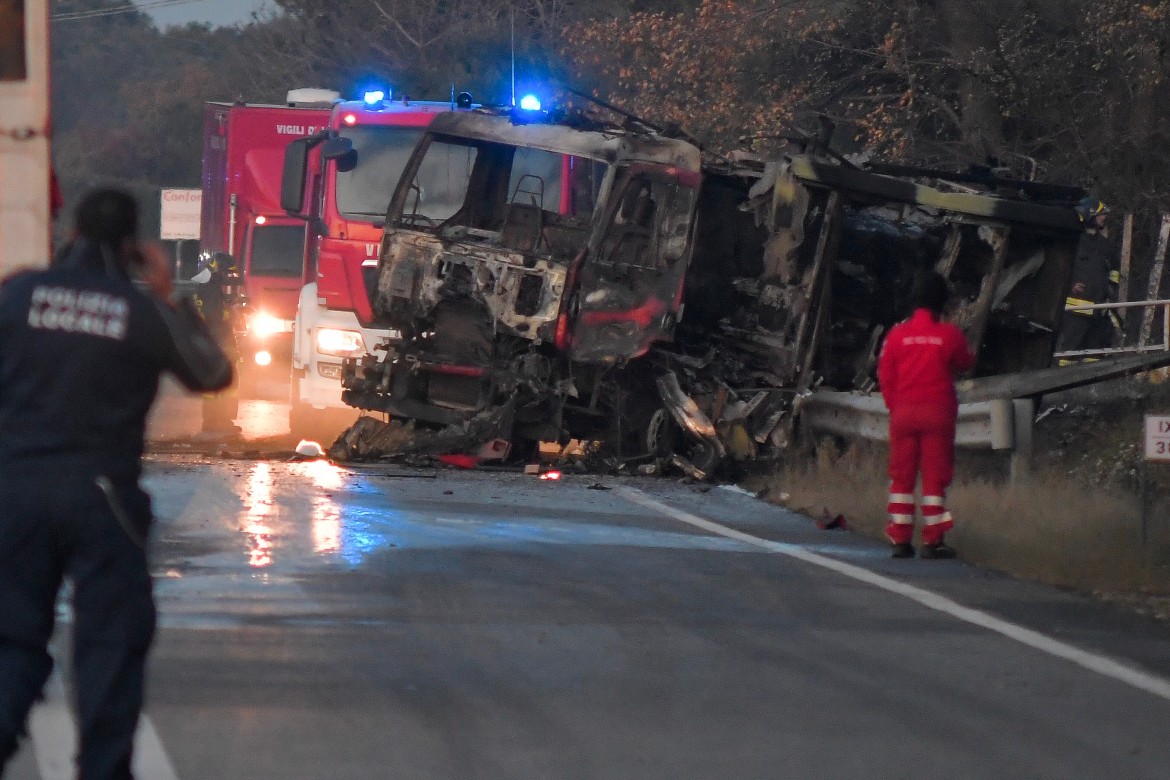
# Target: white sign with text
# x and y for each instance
(180, 215)
(1157, 437)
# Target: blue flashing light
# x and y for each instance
(530, 103)
(374, 96)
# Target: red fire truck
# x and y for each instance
(25, 211)
(243, 153)
(340, 181)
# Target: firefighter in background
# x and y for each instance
(1094, 281)
(219, 299)
(917, 368)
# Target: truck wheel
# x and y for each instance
(661, 436)
(647, 427)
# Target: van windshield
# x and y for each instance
(363, 194)
(277, 250)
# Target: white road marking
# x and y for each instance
(1108, 667)
(54, 738)
(54, 734)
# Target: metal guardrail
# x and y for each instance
(980, 425)
(1134, 349)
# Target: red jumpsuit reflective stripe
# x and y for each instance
(916, 373)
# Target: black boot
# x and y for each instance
(938, 552)
(903, 550)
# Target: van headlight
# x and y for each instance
(265, 325)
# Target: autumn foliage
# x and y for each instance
(1067, 90)
(1056, 88)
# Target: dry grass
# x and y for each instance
(1054, 528)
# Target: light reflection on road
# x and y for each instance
(258, 522)
(326, 518)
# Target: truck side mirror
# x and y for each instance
(292, 182)
(340, 149)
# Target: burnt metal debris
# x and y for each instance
(609, 284)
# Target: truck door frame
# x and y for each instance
(621, 308)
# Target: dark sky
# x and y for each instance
(215, 12)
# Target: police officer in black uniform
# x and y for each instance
(81, 351)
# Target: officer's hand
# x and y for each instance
(155, 270)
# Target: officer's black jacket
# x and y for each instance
(81, 351)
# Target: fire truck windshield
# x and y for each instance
(382, 152)
(277, 250)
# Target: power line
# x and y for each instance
(117, 10)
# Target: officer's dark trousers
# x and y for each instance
(57, 523)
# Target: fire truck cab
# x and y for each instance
(340, 181)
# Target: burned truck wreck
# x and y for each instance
(605, 284)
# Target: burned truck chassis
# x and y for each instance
(526, 394)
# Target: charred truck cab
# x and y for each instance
(604, 284)
(561, 256)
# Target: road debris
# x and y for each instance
(828, 521)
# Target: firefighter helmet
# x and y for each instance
(1090, 207)
(211, 263)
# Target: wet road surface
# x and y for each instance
(320, 621)
(177, 414)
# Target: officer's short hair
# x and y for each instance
(107, 216)
(932, 293)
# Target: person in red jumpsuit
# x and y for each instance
(916, 373)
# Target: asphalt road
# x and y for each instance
(329, 622)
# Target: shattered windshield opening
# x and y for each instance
(440, 184)
(382, 152)
(521, 197)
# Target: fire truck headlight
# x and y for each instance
(340, 343)
(530, 103)
(265, 325)
(263, 358)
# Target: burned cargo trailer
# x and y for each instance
(603, 284)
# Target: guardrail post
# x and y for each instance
(1155, 284)
(1024, 414)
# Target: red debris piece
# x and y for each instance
(828, 522)
(459, 461)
